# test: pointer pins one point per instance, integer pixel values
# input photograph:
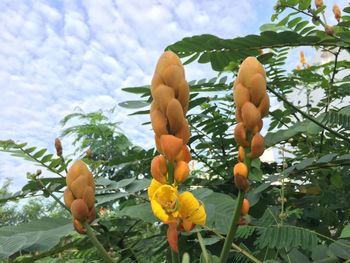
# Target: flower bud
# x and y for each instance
(89, 197)
(159, 169)
(251, 116)
(241, 183)
(241, 95)
(162, 96)
(68, 197)
(329, 30)
(172, 236)
(241, 154)
(79, 227)
(58, 147)
(257, 146)
(79, 210)
(318, 3)
(337, 12)
(175, 115)
(171, 146)
(245, 207)
(240, 135)
(240, 169)
(181, 172)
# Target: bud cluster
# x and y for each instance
(79, 195)
(170, 103)
(252, 104)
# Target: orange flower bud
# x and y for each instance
(79, 210)
(91, 215)
(240, 135)
(68, 197)
(318, 3)
(157, 141)
(337, 12)
(264, 106)
(89, 197)
(184, 155)
(162, 96)
(183, 95)
(181, 171)
(186, 226)
(241, 183)
(159, 168)
(175, 115)
(251, 116)
(238, 115)
(240, 169)
(257, 146)
(248, 68)
(329, 30)
(241, 95)
(166, 59)
(58, 147)
(172, 76)
(245, 207)
(241, 154)
(302, 58)
(257, 88)
(172, 237)
(79, 185)
(158, 121)
(78, 168)
(171, 146)
(79, 227)
(184, 132)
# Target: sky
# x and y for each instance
(58, 55)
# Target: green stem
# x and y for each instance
(52, 195)
(337, 134)
(175, 258)
(97, 243)
(170, 173)
(234, 224)
(204, 250)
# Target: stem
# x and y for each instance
(204, 250)
(52, 195)
(308, 116)
(170, 173)
(174, 256)
(97, 243)
(229, 238)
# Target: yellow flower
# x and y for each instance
(191, 209)
(165, 203)
(153, 188)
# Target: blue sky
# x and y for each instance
(59, 55)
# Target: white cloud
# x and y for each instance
(57, 56)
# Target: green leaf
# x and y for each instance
(134, 104)
(304, 4)
(345, 233)
(341, 248)
(138, 90)
(38, 235)
(40, 153)
(141, 211)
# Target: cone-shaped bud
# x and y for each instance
(245, 207)
(240, 135)
(89, 197)
(240, 169)
(242, 183)
(172, 76)
(257, 146)
(159, 168)
(167, 59)
(68, 197)
(182, 171)
(329, 30)
(162, 96)
(171, 146)
(79, 210)
(241, 95)
(257, 88)
(251, 116)
(175, 115)
(172, 237)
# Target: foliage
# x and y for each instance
(299, 203)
